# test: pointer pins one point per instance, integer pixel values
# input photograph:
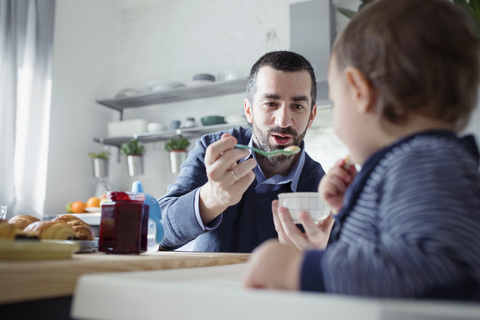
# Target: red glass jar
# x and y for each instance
(124, 223)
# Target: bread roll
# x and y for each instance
(83, 230)
(52, 230)
(22, 221)
(8, 231)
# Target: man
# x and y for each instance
(223, 195)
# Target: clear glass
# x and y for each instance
(3, 212)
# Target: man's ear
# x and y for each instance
(313, 114)
(248, 110)
(360, 89)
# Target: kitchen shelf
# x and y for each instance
(194, 132)
(191, 92)
(194, 92)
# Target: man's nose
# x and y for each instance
(283, 117)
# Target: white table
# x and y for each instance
(216, 293)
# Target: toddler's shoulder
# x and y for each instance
(432, 151)
(430, 161)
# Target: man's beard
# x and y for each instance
(263, 143)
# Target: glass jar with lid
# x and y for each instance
(124, 223)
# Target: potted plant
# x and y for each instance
(177, 148)
(134, 151)
(100, 163)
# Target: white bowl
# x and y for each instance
(310, 202)
(161, 86)
(155, 126)
(234, 118)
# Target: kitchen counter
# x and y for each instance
(22, 281)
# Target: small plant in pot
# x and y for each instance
(134, 151)
(177, 148)
(100, 163)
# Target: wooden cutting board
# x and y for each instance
(42, 279)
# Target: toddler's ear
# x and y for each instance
(360, 89)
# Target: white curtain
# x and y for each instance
(26, 43)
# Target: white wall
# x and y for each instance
(85, 57)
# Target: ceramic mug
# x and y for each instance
(175, 124)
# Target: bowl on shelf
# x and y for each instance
(204, 77)
(235, 118)
(310, 202)
(212, 120)
(127, 92)
(162, 86)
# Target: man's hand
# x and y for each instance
(316, 234)
(227, 180)
(274, 266)
(334, 184)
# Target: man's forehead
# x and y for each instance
(275, 84)
(268, 71)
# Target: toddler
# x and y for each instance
(403, 78)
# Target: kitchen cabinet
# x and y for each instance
(173, 95)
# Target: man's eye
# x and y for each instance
(298, 106)
(270, 104)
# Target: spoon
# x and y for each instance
(287, 151)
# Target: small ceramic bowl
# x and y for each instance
(310, 202)
(212, 120)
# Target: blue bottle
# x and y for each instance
(155, 227)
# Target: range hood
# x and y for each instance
(312, 32)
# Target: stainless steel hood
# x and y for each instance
(312, 32)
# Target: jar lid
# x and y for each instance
(113, 196)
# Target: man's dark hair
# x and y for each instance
(281, 61)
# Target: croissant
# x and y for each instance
(8, 231)
(67, 218)
(52, 230)
(22, 221)
(83, 230)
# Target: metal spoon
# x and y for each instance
(287, 151)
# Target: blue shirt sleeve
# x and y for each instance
(311, 278)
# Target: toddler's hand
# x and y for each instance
(333, 185)
(273, 266)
